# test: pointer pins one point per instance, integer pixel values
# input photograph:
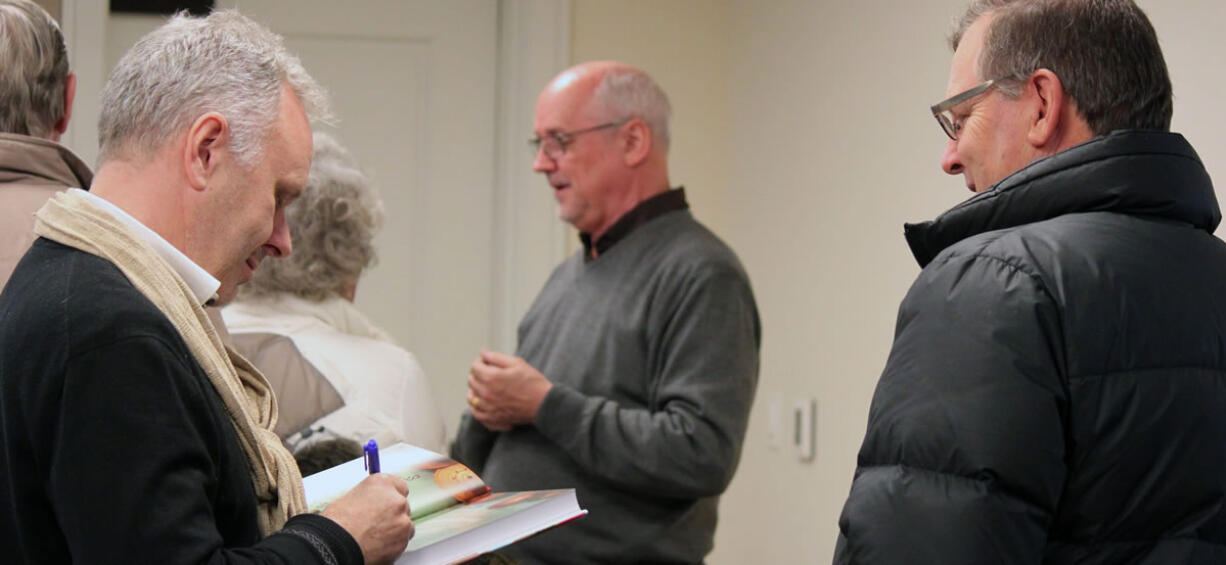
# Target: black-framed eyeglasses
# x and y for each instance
(943, 111)
(555, 142)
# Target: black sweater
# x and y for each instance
(1056, 391)
(115, 447)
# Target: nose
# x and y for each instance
(951, 162)
(542, 163)
(280, 242)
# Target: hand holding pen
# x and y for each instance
(375, 512)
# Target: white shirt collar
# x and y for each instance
(201, 283)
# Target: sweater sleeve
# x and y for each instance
(702, 374)
(134, 476)
(963, 459)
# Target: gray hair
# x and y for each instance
(631, 93)
(1105, 52)
(33, 70)
(333, 224)
(223, 63)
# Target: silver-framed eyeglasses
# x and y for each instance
(555, 142)
(943, 110)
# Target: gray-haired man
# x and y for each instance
(36, 91)
(1056, 392)
(637, 363)
(130, 434)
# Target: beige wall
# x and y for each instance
(122, 32)
(690, 61)
(802, 135)
(843, 88)
(815, 128)
(1192, 42)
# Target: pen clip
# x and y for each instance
(370, 456)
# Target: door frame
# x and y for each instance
(533, 44)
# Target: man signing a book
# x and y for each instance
(130, 433)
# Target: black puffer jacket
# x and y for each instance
(1056, 392)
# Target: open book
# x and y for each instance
(455, 515)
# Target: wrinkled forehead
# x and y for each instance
(964, 68)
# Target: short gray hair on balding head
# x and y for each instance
(190, 66)
(333, 224)
(33, 70)
(631, 93)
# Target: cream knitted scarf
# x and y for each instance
(71, 219)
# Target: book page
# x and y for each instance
(435, 482)
(486, 524)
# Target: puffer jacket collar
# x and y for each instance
(1147, 173)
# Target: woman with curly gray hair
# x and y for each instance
(333, 224)
(334, 372)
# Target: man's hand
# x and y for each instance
(505, 391)
(376, 514)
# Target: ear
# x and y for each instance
(70, 92)
(1050, 106)
(637, 142)
(205, 143)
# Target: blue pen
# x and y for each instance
(370, 452)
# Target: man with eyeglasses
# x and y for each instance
(638, 361)
(1056, 391)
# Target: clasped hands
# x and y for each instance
(504, 391)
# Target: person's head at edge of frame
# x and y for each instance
(1062, 72)
(334, 223)
(36, 84)
(602, 142)
(205, 137)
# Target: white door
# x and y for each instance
(434, 99)
(413, 85)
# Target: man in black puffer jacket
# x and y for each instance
(1056, 391)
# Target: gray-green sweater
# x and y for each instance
(653, 351)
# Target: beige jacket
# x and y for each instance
(331, 366)
(31, 170)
